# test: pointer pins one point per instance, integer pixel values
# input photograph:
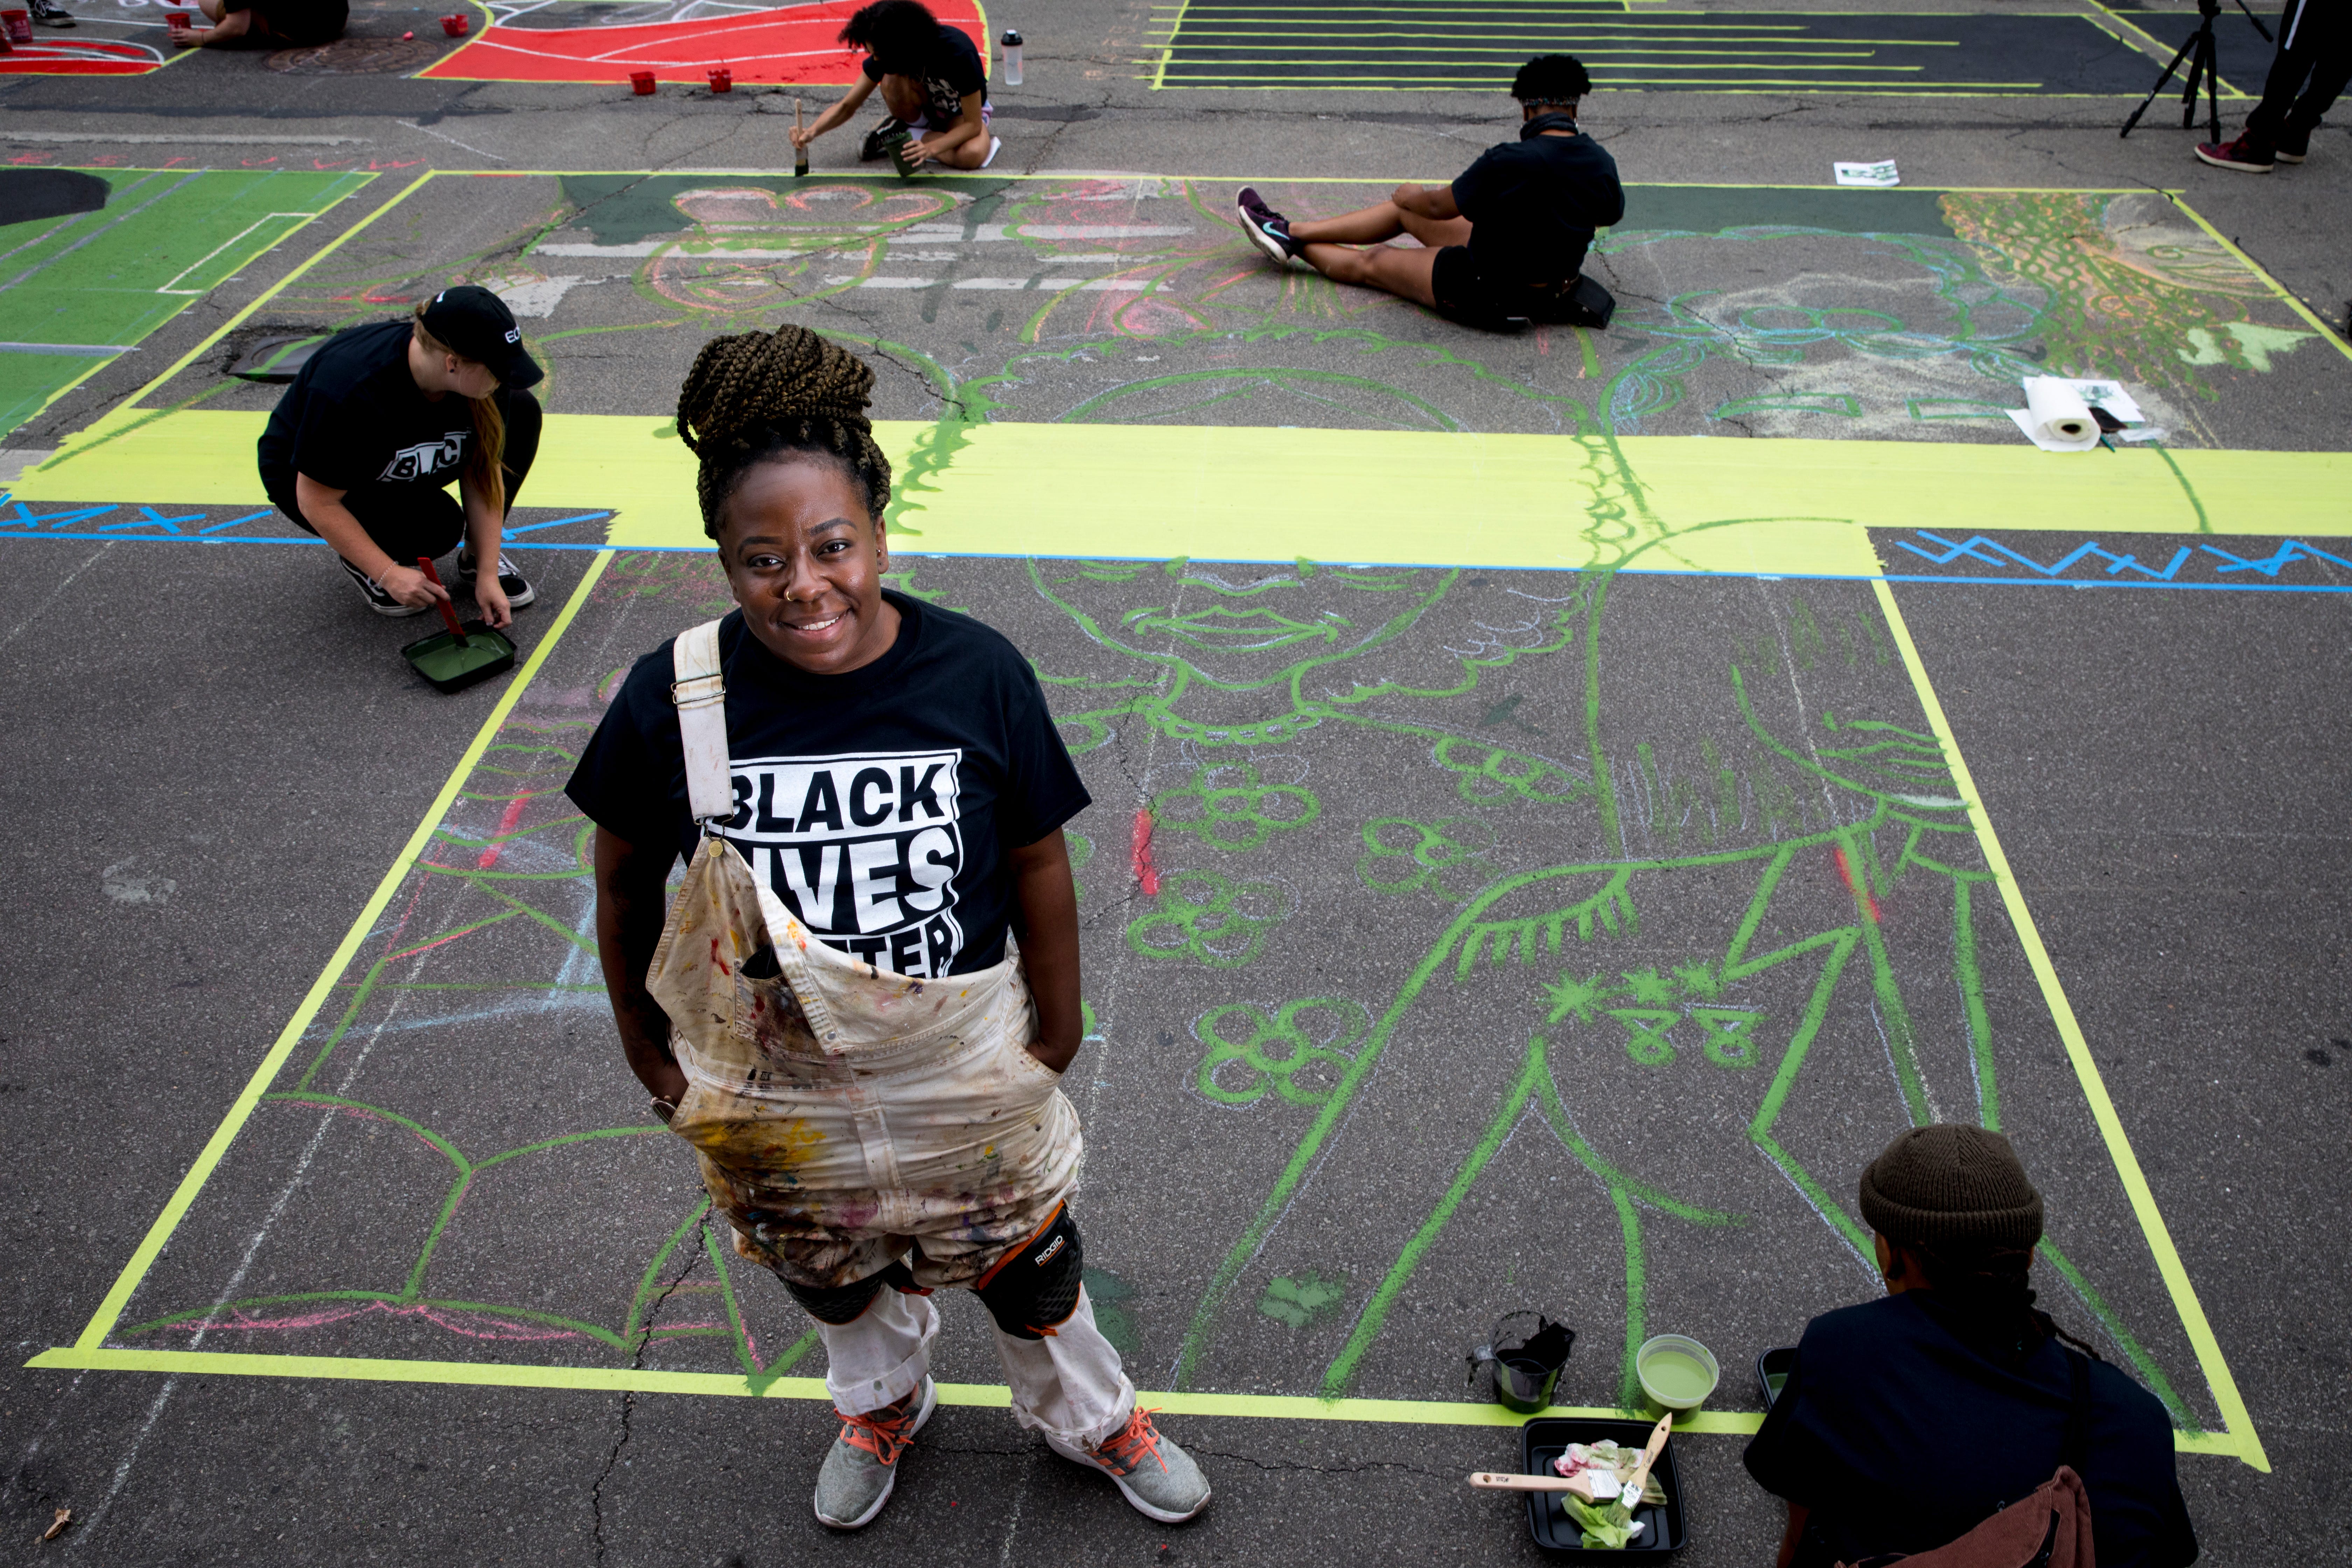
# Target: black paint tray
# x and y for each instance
(440, 659)
(1542, 1441)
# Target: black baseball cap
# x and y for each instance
(476, 324)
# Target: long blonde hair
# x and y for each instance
(485, 464)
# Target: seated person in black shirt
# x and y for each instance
(1907, 1421)
(1505, 239)
(266, 24)
(933, 82)
(362, 447)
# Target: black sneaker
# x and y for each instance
(878, 139)
(1267, 230)
(2245, 154)
(46, 13)
(519, 593)
(382, 603)
(2292, 149)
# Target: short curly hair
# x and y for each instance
(1551, 79)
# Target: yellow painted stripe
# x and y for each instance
(1259, 494)
(977, 1395)
(2240, 1438)
(109, 1309)
(2292, 300)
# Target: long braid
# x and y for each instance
(761, 395)
(1992, 1289)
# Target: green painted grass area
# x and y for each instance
(105, 279)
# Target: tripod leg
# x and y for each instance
(2144, 103)
(2197, 67)
(2213, 96)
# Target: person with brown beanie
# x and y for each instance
(1906, 1421)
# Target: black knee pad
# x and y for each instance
(1034, 1288)
(839, 1304)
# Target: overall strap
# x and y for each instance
(700, 693)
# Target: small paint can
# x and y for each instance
(455, 26)
(722, 81)
(642, 83)
(19, 25)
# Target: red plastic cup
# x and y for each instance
(642, 83)
(455, 26)
(19, 25)
(722, 81)
(175, 20)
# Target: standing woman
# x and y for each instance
(362, 449)
(835, 1012)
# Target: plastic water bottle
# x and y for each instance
(1010, 44)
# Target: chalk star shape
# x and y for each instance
(1576, 998)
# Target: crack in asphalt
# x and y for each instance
(629, 1401)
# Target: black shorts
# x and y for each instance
(1466, 295)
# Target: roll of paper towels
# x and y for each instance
(2055, 416)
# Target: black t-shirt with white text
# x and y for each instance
(949, 69)
(355, 416)
(1901, 1433)
(880, 805)
(1533, 205)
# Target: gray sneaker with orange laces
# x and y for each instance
(862, 1467)
(1158, 1478)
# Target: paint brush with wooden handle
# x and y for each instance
(1577, 1485)
(1631, 1498)
(449, 612)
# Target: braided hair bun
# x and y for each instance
(758, 396)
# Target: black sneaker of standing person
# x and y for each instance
(878, 139)
(1267, 230)
(46, 13)
(2246, 154)
(382, 603)
(2292, 148)
(519, 593)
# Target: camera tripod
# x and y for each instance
(2198, 52)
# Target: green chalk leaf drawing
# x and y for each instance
(1210, 919)
(1300, 1053)
(2254, 344)
(1295, 1303)
(1492, 775)
(1445, 859)
(1230, 806)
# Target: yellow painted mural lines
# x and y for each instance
(102, 1322)
(2240, 1440)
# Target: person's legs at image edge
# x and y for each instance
(877, 1372)
(2331, 71)
(2256, 147)
(524, 422)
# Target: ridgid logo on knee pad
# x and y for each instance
(425, 459)
(863, 850)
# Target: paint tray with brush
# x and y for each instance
(454, 660)
(458, 655)
(1545, 1439)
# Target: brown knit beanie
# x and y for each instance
(1945, 1186)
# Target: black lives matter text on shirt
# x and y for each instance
(1533, 206)
(864, 849)
(949, 69)
(881, 805)
(355, 416)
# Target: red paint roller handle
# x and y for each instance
(448, 616)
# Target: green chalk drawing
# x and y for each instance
(1295, 1303)
(1210, 919)
(1446, 858)
(1299, 1053)
(1232, 809)
(2254, 344)
(1109, 1294)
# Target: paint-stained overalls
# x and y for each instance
(858, 1128)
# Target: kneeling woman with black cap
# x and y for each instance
(363, 447)
(1907, 1422)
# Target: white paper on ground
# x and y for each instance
(1878, 175)
(2054, 418)
(2110, 395)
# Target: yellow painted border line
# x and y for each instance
(2239, 1439)
(975, 1396)
(2294, 302)
(110, 1310)
(1391, 180)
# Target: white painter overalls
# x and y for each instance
(847, 1117)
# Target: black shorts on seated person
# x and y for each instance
(1466, 295)
(294, 23)
(407, 521)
